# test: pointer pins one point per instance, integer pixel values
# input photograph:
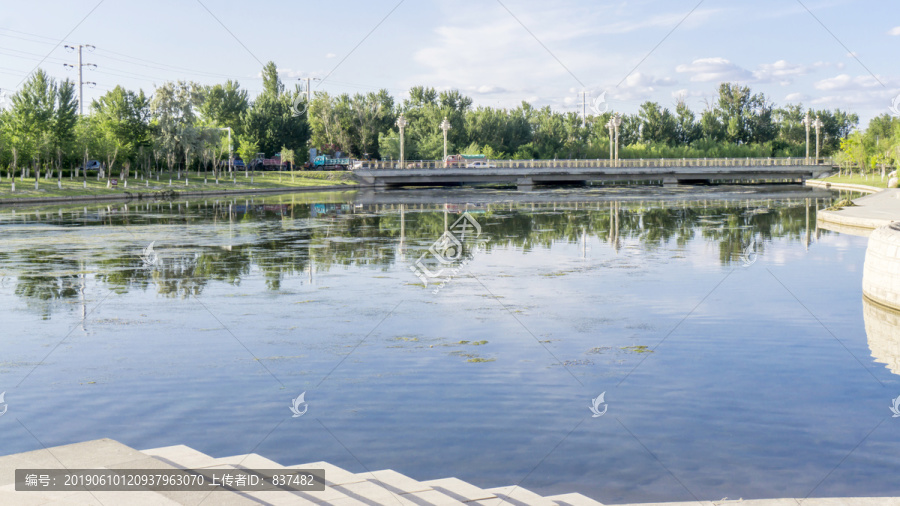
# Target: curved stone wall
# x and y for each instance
(881, 273)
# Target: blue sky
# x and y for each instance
(497, 53)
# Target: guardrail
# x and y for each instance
(601, 163)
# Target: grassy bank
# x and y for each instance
(857, 179)
(260, 180)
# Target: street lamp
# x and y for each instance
(818, 124)
(445, 126)
(614, 123)
(401, 122)
(609, 125)
(806, 122)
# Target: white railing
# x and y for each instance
(600, 163)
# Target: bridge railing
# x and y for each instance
(601, 163)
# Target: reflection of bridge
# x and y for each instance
(526, 173)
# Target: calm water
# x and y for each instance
(728, 334)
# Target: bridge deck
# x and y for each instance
(527, 176)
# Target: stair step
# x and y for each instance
(334, 475)
(460, 490)
(519, 496)
(246, 461)
(573, 499)
(396, 482)
(180, 456)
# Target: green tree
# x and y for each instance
(174, 117)
(223, 105)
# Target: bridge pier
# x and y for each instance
(669, 181)
(524, 184)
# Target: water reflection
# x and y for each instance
(51, 253)
(883, 331)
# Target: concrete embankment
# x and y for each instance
(881, 273)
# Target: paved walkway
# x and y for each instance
(385, 487)
(869, 213)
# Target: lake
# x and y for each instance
(463, 332)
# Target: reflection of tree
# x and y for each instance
(44, 276)
(282, 240)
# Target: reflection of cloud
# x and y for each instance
(883, 331)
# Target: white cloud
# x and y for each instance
(486, 89)
(796, 97)
(330, 55)
(780, 71)
(643, 81)
(714, 69)
(845, 82)
(894, 31)
(667, 21)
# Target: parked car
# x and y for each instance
(238, 163)
(91, 165)
(480, 165)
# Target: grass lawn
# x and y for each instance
(261, 180)
(873, 180)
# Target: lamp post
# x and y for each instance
(818, 124)
(609, 125)
(445, 126)
(614, 123)
(401, 122)
(806, 122)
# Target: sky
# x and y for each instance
(823, 54)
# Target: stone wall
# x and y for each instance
(881, 273)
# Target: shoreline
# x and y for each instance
(819, 183)
(149, 195)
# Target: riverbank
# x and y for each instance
(92, 189)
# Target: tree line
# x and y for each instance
(185, 126)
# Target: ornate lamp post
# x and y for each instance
(616, 121)
(401, 122)
(609, 125)
(445, 126)
(807, 123)
(818, 124)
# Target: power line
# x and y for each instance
(60, 42)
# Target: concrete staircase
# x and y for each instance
(385, 487)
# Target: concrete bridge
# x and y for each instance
(527, 173)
